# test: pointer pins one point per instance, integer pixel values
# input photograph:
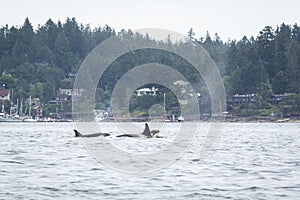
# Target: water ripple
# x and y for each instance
(250, 161)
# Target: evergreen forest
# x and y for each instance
(38, 62)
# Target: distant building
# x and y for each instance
(71, 75)
(276, 98)
(67, 92)
(4, 95)
(181, 83)
(70, 92)
(147, 91)
(43, 63)
(35, 102)
(55, 101)
(238, 99)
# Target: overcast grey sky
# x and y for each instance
(229, 18)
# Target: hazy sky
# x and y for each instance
(229, 18)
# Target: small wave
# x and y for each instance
(252, 188)
(12, 161)
(51, 189)
(289, 187)
(198, 195)
(96, 169)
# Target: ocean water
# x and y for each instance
(249, 161)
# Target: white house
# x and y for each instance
(67, 92)
(4, 94)
(147, 91)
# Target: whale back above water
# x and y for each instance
(78, 134)
(128, 135)
(146, 132)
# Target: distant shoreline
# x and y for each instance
(261, 119)
(250, 119)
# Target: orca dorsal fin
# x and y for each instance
(147, 131)
(77, 134)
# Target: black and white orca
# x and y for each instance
(146, 132)
(78, 134)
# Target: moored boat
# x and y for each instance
(4, 117)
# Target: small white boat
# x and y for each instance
(29, 119)
(174, 118)
(4, 117)
(180, 119)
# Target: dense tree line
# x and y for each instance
(37, 62)
(268, 63)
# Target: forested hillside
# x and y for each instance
(37, 62)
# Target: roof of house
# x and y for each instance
(144, 90)
(4, 92)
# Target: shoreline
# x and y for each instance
(251, 119)
(262, 119)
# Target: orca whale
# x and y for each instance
(128, 135)
(146, 132)
(78, 134)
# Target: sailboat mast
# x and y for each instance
(11, 102)
(21, 108)
(29, 113)
(17, 108)
(165, 101)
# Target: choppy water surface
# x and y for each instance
(250, 161)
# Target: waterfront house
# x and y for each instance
(147, 91)
(4, 95)
(238, 99)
